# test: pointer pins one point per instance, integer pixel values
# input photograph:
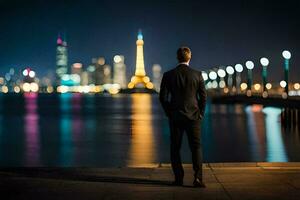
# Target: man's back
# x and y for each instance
(183, 96)
(183, 93)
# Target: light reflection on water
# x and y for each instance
(142, 149)
(275, 148)
(265, 137)
(31, 121)
(131, 130)
(255, 126)
(66, 137)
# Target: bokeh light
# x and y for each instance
(221, 73)
(269, 86)
(230, 70)
(286, 54)
(212, 75)
(239, 68)
(282, 84)
(249, 65)
(204, 76)
(264, 61)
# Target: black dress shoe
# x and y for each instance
(198, 183)
(177, 183)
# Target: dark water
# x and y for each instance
(105, 131)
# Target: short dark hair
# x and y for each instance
(184, 54)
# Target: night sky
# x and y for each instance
(218, 32)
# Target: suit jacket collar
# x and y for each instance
(183, 63)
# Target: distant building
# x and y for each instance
(107, 74)
(102, 71)
(91, 74)
(61, 58)
(70, 80)
(156, 73)
(76, 68)
(10, 79)
(119, 76)
(84, 79)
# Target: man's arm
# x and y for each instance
(201, 96)
(164, 95)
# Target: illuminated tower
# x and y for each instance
(61, 58)
(140, 80)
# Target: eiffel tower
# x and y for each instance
(140, 80)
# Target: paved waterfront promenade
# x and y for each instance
(223, 181)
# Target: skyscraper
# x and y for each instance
(120, 71)
(76, 68)
(102, 71)
(61, 58)
(84, 78)
(140, 80)
(156, 72)
(91, 73)
(106, 74)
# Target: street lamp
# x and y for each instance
(287, 56)
(249, 66)
(264, 62)
(221, 73)
(238, 68)
(213, 76)
(204, 76)
(230, 72)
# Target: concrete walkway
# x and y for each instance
(223, 181)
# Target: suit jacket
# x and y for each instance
(182, 93)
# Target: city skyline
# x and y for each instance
(262, 29)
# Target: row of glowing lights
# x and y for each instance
(111, 88)
(239, 68)
(115, 88)
(244, 86)
(26, 87)
(33, 87)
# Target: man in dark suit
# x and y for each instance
(183, 98)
